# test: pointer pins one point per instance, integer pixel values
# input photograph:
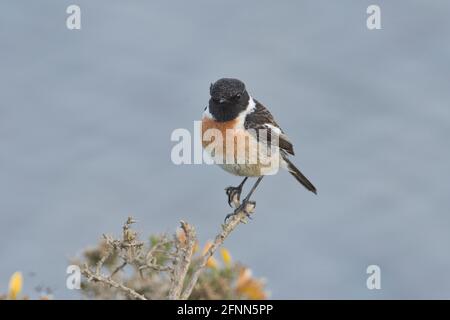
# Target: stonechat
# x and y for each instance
(236, 116)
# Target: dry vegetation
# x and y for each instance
(162, 267)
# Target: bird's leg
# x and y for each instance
(234, 193)
(246, 201)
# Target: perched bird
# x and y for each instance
(236, 115)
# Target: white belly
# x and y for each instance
(254, 170)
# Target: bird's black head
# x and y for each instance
(228, 99)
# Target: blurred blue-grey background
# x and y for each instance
(86, 118)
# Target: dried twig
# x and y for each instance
(119, 268)
(102, 260)
(183, 260)
(227, 228)
(131, 252)
(130, 244)
(107, 280)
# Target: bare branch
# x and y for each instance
(183, 261)
(102, 260)
(107, 280)
(179, 257)
(119, 268)
(227, 228)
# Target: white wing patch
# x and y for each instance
(273, 128)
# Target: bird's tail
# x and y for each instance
(299, 176)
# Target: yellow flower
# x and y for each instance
(226, 257)
(250, 287)
(211, 263)
(15, 285)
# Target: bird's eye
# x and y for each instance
(238, 96)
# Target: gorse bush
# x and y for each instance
(147, 268)
(160, 267)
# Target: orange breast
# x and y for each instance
(221, 126)
(237, 140)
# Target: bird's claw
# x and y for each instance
(246, 207)
(234, 194)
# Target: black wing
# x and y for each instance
(261, 118)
